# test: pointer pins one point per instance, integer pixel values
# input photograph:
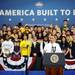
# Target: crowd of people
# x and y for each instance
(31, 40)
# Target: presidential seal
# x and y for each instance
(54, 58)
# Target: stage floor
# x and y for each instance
(71, 72)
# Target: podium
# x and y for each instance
(54, 63)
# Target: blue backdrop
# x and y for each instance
(30, 4)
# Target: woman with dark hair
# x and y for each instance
(65, 47)
(63, 43)
(25, 46)
(7, 46)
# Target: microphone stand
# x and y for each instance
(26, 62)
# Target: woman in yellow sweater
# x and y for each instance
(25, 46)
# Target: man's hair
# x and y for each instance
(55, 36)
(65, 20)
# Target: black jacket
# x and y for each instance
(36, 49)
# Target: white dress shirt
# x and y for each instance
(48, 48)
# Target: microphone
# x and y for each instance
(53, 49)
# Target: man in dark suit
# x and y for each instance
(35, 52)
(35, 48)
